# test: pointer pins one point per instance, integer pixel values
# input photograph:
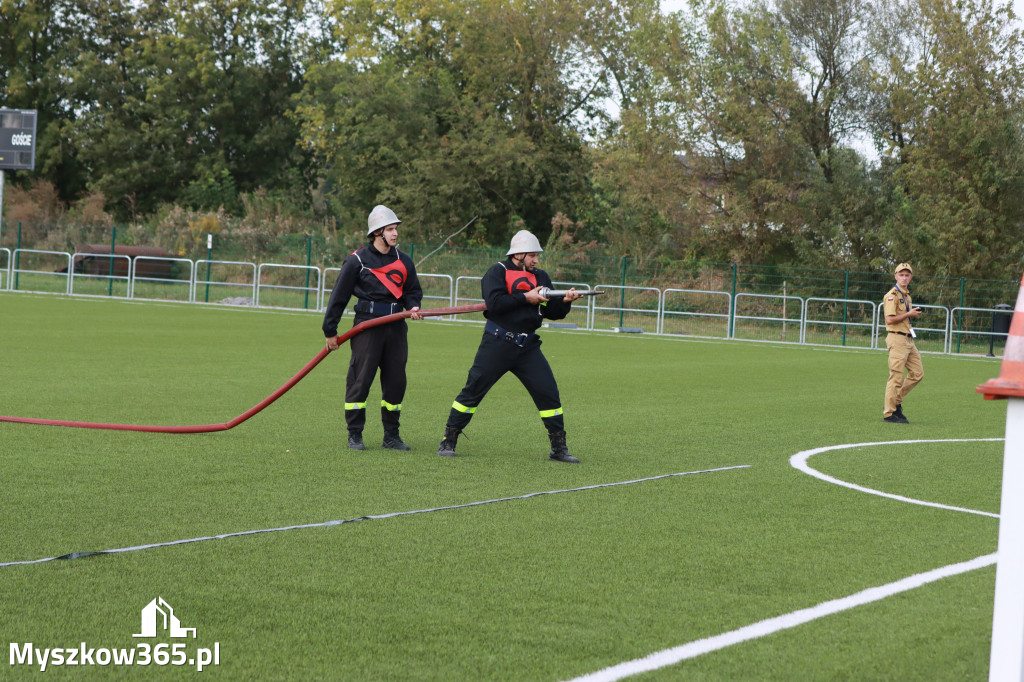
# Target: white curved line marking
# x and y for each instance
(799, 461)
(667, 657)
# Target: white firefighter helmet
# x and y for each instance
(380, 216)
(524, 242)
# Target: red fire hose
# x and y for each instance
(208, 428)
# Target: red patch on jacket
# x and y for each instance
(392, 276)
(520, 280)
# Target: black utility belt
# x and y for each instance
(520, 339)
(378, 308)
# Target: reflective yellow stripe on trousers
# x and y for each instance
(462, 408)
(550, 413)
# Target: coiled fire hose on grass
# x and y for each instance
(259, 407)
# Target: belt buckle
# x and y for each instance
(521, 339)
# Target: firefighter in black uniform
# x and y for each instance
(383, 280)
(515, 309)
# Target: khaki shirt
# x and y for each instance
(894, 305)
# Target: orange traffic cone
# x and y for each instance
(1010, 383)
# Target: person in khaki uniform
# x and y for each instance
(903, 353)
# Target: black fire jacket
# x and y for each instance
(502, 287)
(370, 275)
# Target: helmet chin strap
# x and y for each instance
(383, 241)
(522, 259)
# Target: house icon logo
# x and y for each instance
(169, 621)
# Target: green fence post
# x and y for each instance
(309, 259)
(17, 261)
(846, 295)
(622, 292)
(110, 274)
(732, 308)
(209, 255)
(961, 318)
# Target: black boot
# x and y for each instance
(559, 450)
(355, 440)
(392, 441)
(447, 446)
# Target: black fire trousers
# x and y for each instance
(493, 359)
(386, 348)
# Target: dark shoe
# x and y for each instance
(899, 413)
(392, 441)
(559, 450)
(895, 419)
(451, 438)
(355, 441)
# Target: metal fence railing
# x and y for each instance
(743, 315)
(46, 271)
(328, 248)
(287, 286)
(163, 278)
(695, 312)
(224, 275)
(839, 322)
(100, 275)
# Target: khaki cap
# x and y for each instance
(903, 266)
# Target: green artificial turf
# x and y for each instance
(544, 587)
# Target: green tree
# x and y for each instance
(723, 106)
(187, 100)
(831, 64)
(447, 110)
(948, 101)
(34, 41)
(636, 203)
(842, 216)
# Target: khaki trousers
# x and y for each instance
(903, 357)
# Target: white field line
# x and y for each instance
(770, 626)
(799, 461)
(324, 524)
(667, 657)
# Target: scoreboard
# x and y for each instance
(17, 139)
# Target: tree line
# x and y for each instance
(847, 134)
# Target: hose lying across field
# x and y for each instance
(208, 428)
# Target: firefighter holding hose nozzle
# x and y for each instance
(513, 290)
